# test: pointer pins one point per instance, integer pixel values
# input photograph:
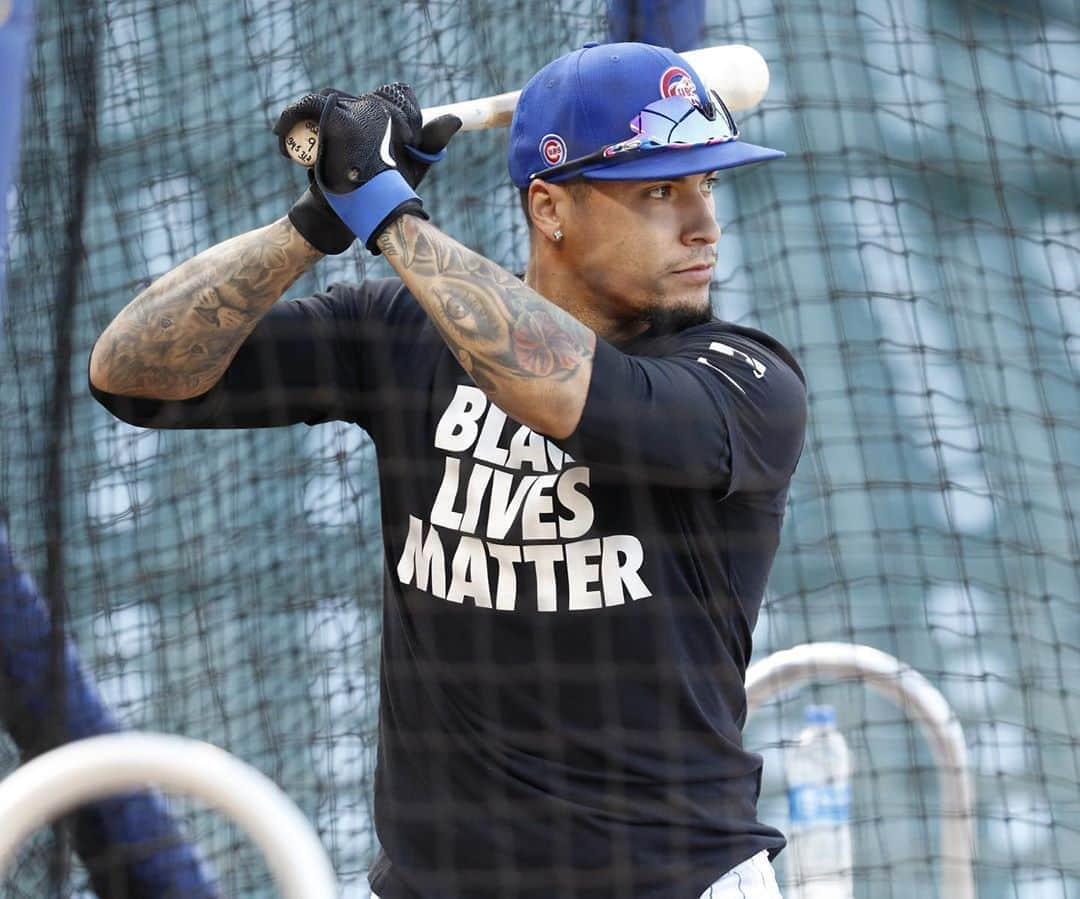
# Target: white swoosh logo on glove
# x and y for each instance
(384, 148)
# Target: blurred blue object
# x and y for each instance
(131, 846)
(678, 24)
(16, 23)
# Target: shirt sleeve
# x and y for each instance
(308, 360)
(719, 409)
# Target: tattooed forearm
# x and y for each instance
(177, 337)
(529, 355)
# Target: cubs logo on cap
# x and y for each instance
(553, 149)
(676, 82)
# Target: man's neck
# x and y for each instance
(566, 291)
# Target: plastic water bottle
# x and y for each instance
(819, 802)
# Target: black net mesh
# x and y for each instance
(917, 250)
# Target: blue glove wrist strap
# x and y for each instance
(429, 158)
(365, 208)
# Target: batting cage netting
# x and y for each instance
(917, 250)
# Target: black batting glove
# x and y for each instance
(413, 148)
(311, 215)
(373, 152)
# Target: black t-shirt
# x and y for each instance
(566, 624)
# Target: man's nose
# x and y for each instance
(701, 226)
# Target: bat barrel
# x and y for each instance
(738, 73)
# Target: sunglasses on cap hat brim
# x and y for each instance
(696, 139)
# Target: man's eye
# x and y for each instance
(708, 185)
(660, 192)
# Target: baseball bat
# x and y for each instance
(738, 73)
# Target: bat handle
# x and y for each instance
(302, 143)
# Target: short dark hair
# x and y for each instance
(576, 187)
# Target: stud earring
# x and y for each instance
(558, 235)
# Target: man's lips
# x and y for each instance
(698, 272)
(697, 265)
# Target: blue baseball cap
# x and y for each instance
(586, 100)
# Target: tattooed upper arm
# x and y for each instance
(177, 337)
(525, 352)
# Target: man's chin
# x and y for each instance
(671, 318)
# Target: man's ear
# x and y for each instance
(548, 207)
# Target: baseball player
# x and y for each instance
(583, 476)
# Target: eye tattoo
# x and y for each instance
(456, 310)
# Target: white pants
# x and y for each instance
(753, 879)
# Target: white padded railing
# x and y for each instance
(918, 699)
(99, 767)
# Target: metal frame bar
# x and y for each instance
(918, 699)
